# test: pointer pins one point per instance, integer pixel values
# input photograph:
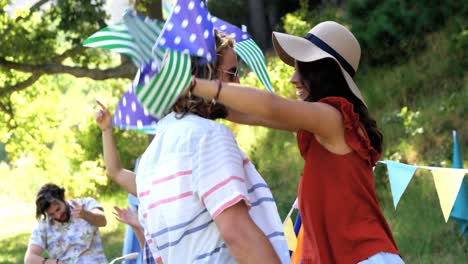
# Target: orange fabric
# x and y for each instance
(296, 256)
(341, 217)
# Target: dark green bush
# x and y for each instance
(390, 30)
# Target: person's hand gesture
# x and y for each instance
(127, 216)
(103, 116)
(78, 210)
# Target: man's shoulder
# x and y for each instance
(88, 202)
(82, 200)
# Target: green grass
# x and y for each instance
(418, 224)
(433, 87)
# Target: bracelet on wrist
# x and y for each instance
(220, 86)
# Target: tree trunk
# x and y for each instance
(258, 23)
(153, 8)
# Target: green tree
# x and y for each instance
(46, 39)
(46, 113)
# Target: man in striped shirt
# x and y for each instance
(201, 200)
(198, 193)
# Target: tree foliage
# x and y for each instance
(391, 30)
(46, 39)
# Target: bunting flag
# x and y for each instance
(116, 38)
(288, 228)
(160, 92)
(296, 257)
(156, 87)
(145, 32)
(298, 224)
(447, 184)
(400, 175)
(245, 46)
(289, 234)
(189, 30)
(131, 115)
(247, 50)
(460, 208)
(133, 37)
(296, 238)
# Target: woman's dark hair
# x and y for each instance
(198, 105)
(323, 78)
(48, 194)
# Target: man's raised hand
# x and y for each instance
(78, 210)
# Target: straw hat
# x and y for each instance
(326, 40)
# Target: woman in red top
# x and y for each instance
(337, 138)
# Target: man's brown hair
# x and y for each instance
(198, 105)
(48, 194)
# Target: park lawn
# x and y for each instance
(418, 224)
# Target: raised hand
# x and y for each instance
(103, 116)
(127, 216)
(78, 210)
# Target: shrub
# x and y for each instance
(390, 31)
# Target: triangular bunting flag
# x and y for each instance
(289, 234)
(447, 183)
(189, 30)
(116, 38)
(131, 115)
(145, 32)
(245, 46)
(400, 175)
(134, 37)
(296, 257)
(249, 52)
(159, 93)
(457, 161)
(460, 208)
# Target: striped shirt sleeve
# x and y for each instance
(220, 180)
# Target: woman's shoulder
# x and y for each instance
(355, 133)
(345, 107)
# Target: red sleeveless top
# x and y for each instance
(341, 217)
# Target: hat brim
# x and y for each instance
(292, 48)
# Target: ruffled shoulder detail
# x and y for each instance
(355, 133)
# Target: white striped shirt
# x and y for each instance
(191, 172)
